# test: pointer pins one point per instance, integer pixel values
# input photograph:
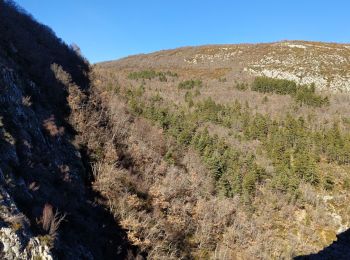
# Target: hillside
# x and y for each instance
(212, 152)
(234, 151)
(325, 64)
(48, 208)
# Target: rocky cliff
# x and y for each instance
(47, 208)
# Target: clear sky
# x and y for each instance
(111, 29)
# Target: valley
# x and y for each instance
(235, 151)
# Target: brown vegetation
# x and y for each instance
(186, 156)
(39, 160)
(50, 220)
(164, 194)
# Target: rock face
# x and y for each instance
(16, 239)
(20, 129)
(44, 169)
(325, 64)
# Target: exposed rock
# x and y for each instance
(325, 64)
(16, 240)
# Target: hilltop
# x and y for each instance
(325, 64)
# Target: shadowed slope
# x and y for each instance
(340, 249)
(40, 160)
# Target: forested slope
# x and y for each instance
(238, 165)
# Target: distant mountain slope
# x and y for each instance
(325, 64)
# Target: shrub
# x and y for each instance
(50, 220)
(328, 183)
(188, 96)
(190, 84)
(241, 86)
(151, 74)
(168, 157)
(265, 100)
(197, 92)
(346, 184)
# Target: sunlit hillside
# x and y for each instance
(237, 151)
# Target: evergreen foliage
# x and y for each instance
(190, 84)
(293, 148)
(271, 85)
(151, 74)
(302, 94)
(241, 86)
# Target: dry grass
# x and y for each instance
(50, 220)
(51, 126)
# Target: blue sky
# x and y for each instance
(111, 29)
